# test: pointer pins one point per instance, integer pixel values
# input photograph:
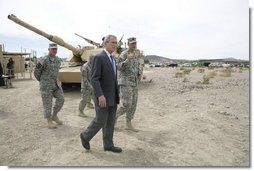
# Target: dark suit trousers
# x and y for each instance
(105, 119)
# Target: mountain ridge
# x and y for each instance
(161, 59)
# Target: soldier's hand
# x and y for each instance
(40, 61)
(102, 101)
(130, 56)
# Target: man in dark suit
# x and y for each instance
(106, 96)
(2, 83)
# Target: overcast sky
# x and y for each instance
(178, 29)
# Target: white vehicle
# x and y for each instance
(225, 65)
(215, 65)
(187, 65)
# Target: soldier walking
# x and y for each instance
(129, 73)
(46, 72)
(86, 88)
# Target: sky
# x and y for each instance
(176, 29)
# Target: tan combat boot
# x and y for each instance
(82, 114)
(51, 125)
(56, 119)
(90, 105)
(130, 127)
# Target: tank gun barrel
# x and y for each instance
(89, 41)
(52, 38)
(119, 44)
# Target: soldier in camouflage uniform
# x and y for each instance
(129, 73)
(46, 72)
(86, 87)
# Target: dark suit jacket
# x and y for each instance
(103, 79)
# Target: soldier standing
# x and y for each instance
(86, 87)
(129, 73)
(10, 67)
(46, 72)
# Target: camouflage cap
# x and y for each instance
(52, 46)
(132, 40)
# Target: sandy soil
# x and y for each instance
(180, 123)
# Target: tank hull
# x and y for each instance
(70, 75)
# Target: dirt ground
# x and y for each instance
(180, 124)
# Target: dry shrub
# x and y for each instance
(179, 75)
(227, 72)
(201, 70)
(186, 70)
(205, 79)
(240, 70)
(185, 80)
(211, 74)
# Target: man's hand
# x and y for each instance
(102, 101)
(139, 77)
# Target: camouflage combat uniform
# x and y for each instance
(86, 87)
(129, 72)
(46, 71)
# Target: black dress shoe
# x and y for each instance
(113, 149)
(85, 143)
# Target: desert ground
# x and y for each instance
(181, 123)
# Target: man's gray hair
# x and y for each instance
(107, 38)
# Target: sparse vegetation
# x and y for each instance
(187, 115)
(187, 70)
(227, 72)
(211, 74)
(183, 72)
(185, 80)
(211, 67)
(179, 75)
(240, 70)
(201, 70)
(205, 79)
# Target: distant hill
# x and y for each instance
(234, 60)
(160, 59)
(156, 59)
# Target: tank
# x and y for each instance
(71, 73)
